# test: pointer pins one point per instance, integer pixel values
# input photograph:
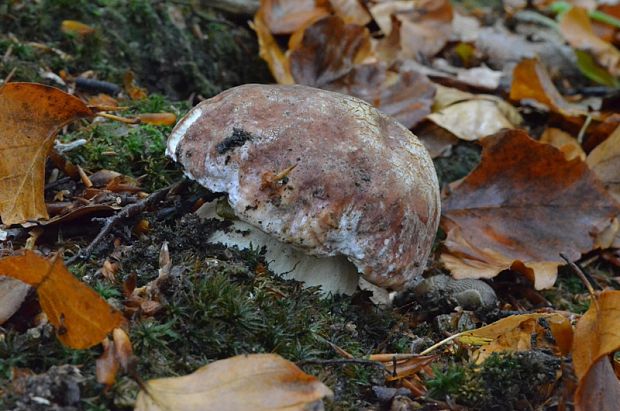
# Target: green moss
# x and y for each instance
(506, 381)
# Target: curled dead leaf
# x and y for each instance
(286, 16)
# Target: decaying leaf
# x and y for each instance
(577, 30)
(351, 11)
(604, 160)
(286, 16)
(531, 82)
(564, 142)
(522, 333)
(328, 50)
(31, 115)
(520, 208)
(245, 382)
(597, 335)
(157, 119)
(270, 51)
(81, 317)
(407, 95)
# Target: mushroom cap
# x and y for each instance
(323, 171)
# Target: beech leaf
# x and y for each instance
(246, 382)
(604, 160)
(520, 208)
(31, 115)
(597, 335)
(81, 317)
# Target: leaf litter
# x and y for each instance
(442, 71)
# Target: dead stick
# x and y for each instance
(127, 212)
(582, 276)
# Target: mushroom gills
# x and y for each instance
(335, 275)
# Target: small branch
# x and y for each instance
(582, 276)
(110, 222)
(343, 361)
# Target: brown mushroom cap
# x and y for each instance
(323, 171)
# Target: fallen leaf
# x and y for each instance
(604, 160)
(522, 333)
(327, 51)
(438, 141)
(530, 81)
(12, 295)
(134, 91)
(158, 119)
(520, 208)
(245, 382)
(286, 16)
(351, 11)
(597, 335)
(407, 96)
(426, 29)
(576, 28)
(564, 142)
(76, 27)
(599, 390)
(31, 116)
(476, 118)
(81, 317)
(107, 365)
(270, 51)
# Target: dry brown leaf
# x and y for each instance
(245, 382)
(520, 208)
(327, 51)
(134, 91)
(577, 29)
(564, 142)
(351, 11)
(597, 335)
(530, 81)
(270, 51)
(426, 29)
(438, 141)
(599, 390)
(81, 317)
(604, 160)
(107, 364)
(522, 333)
(407, 96)
(286, 16)
(31, 115)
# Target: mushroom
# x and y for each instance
(323, 172)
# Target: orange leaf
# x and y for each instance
(158, 119)
(604, 160)
(515, 333)
(81, 317)
(31, 115)
(530, 81)
(286, 16)
(76, 27)
(270, 51)
(328, 50)
(257, 382)
(577, 29)
(520, 208)
(351, 11)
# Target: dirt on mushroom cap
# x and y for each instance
(325, 172)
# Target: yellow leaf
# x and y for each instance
(81, 317)
(31, 115)
(246, 382)
(76, 27)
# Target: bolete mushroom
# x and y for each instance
(324, 172)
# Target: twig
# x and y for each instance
(582, 276)
(127, 212)
(343, 361)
